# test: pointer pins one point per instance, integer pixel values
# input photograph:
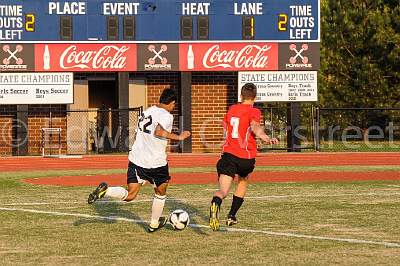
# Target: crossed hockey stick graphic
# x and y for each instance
(18, 48)
(152, 60)
(293, 59)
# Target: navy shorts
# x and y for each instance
(155, 176)
(232, 165)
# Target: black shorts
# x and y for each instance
(231, 165)
(155, 176)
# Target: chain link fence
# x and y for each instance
(77, 131)
(275, 119)
(113, 131)
(358, 129)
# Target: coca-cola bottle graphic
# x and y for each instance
(46, 58)
(190, 57)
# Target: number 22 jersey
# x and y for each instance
(240, 139)
(148, 150)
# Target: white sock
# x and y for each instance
(157, 209)
(116, 193)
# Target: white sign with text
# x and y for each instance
(281, 86)
(36, 88)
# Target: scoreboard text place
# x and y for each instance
(67, 8)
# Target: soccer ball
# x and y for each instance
(179, 219)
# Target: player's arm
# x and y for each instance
(162, 133)
(259, 132)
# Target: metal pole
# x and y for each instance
(317, 143)
(51, 133)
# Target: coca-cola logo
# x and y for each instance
(250, 56)
(107, 57)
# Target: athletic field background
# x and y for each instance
(300, 209)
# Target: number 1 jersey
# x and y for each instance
(240, 139)
(148, 150)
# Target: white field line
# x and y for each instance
(116, 218)
(256, 198)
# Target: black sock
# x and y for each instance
(236, 203)
(217, 200)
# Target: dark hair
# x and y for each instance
(168, 96)
(249, 91)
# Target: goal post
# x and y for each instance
(51, 140)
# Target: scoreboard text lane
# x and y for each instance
(160, 20)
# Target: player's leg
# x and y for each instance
(157, 208)
(237, 200)
(226, 170)
(98, 193)
(225, 182)
(134, 180)
(160, 181)
(133, 190)
(245, 167)
(119, 193)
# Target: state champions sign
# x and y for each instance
(281, 86)
(36, 88)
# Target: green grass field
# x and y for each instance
(360, 146)
(351, 223)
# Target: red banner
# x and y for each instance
(228, 56)
(85, 57)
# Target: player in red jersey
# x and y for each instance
(242, 126)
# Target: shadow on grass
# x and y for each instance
(113, 212)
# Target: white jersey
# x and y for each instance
(148, 150)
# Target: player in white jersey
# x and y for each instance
(148, 159)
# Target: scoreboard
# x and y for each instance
(159, 21)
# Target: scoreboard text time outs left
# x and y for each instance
(159, 20)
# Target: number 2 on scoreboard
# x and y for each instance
(235, 127)
(282, 22)
(30, 22)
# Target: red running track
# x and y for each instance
(193, 160)
(8, 164)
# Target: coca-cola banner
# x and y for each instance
(158, 57)
(85, 57)
(228, 56)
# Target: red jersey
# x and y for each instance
(240, 140)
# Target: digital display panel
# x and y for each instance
(159, 21)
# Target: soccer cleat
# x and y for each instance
(98, 193)
(231, 220)
(214, 214)
(161, 222)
